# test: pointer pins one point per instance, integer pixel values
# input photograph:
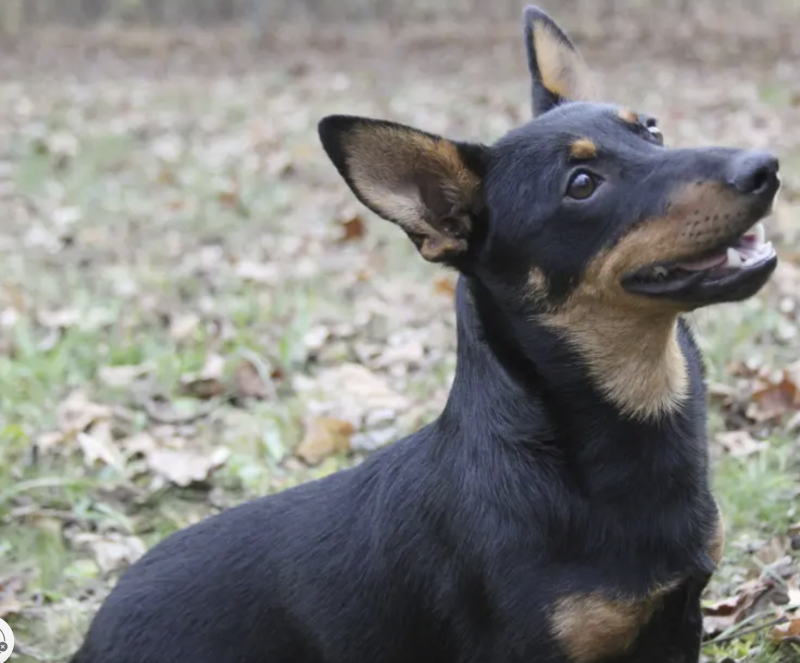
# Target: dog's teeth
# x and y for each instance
(734, 259)
(660, 271)
(759, 232)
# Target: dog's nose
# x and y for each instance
(755, 173)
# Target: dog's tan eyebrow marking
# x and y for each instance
(583, 148)
(627, 115)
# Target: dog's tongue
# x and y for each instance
(704, 263)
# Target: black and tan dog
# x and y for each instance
(559, 508)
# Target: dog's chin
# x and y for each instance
(733, 272)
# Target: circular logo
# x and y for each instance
(6, 641)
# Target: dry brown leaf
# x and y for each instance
(111, 551)
(740, 444)
(77, 413)
(229, 198)
(184, 467)
(444, 285)
(789, 630)
(98, 444)
(203, 388)
(774, 398)
(775, 550)
(10, 604)
(62, 319)
(353, 228)
(139, 444)
(258, 272)
(183, 326)
(122, 375)
(324, 437)
(208, 382)
(726, 612)
(248, 382)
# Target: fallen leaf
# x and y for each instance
(98, 444)
(354, 228)
(740, 443)
(444, 285)
(122, 375)
(61, 319)
(324, 437)
(721, 615)
(184, 467)
(139, 444)
(10, 604)
(183, 326)
(790, 629)
(208, 382)
(258, 272)
(203, 388)
(249, 383)
(774, 398)
(775, 550)
(75, 415)
(111, 551)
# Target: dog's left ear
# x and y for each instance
(558, 71)
(429, 186)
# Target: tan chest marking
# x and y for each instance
(590, 627)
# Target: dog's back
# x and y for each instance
(327, 566)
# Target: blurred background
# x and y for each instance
(194, 310)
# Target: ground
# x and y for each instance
(194, 310)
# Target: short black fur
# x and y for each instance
(539, 484)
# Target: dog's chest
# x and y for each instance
(595, 625)
(591, 627)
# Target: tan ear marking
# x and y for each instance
(627, 115)
(583, 148)
(415, 180)
(561, 69)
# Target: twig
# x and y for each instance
(43, 512)
(151, 409)
(746, 631)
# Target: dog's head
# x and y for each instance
(583, 212)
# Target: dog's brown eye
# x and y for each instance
(654, 131)
(582, 185)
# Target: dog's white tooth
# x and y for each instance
(760, 232)
(658, 270)
(734, 259)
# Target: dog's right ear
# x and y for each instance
(558, 72)
(430, 186)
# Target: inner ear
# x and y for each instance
(430, 186)
(558, 72)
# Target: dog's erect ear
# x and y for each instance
(558, 71)
(429, 186)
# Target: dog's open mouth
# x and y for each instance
(734, 270)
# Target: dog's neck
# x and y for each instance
(526, 381)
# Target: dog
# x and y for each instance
(559, 509)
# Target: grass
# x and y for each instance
(158, 234)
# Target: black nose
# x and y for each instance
(755, 173)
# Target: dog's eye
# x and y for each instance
(655, 132)
(581, 185)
